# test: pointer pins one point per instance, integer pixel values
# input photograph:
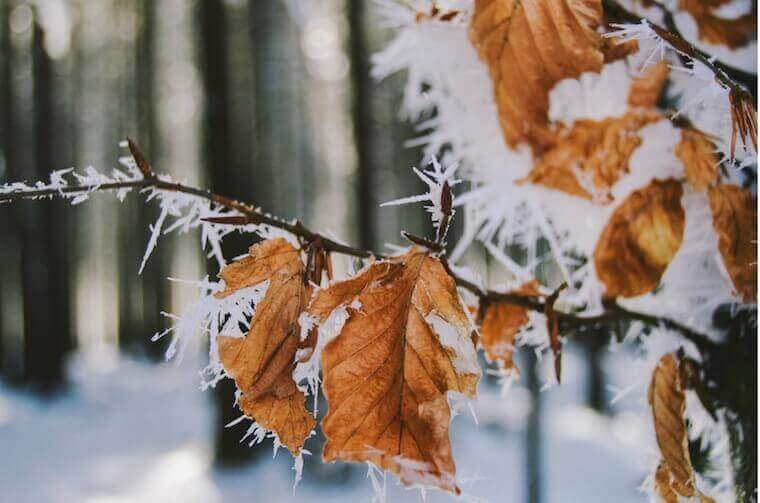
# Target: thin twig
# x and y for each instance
(251, 215)
(733, 78)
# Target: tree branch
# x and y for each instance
(251, 215)
(736, 80)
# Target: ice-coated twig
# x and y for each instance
(439, 181)
(612, 314)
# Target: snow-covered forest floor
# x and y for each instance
(130, 431)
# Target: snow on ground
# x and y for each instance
(135, 431)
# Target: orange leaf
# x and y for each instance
(668, 403)
(529, 46)
(646, 89)
(262, 362)
(501, 323)
(733, 33)
(662, 484)
(743, 119)
(587, 160)
(406, 342)
(700, 160)
(675, 473)
(735, 221)
(640, 239)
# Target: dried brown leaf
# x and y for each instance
(699, 157)
(668, 404)
(262, 362)
(743, 119)
(735, 222)
(675, 474)
(529, 46)
(662, 484)
(406, 342)
(640, 239)
(589, 158)
(646, 88)
(501, 323)
(733, 33)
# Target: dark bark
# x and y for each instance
(156, 290)
(46, 330)
(533, 462)
(362, 118)
(6, 126)
(217, 155)
(142, 298)
(595, 348)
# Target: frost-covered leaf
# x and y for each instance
(699, 157)
(406, 342)
(646, 88)
(663, 484)
(640, 239)
(735, 221)
(531, 45)
(262, 363)
(590, 157)
(501, 324)
(675, 473)
(714, 29)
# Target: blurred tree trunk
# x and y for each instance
(156, 291)
(143, 297)
(217, 155)
(533, 444)
(283, 176)
(5, 102)
(8, 243)
(17, 69)
(46, 327)
(596, 345)
(384, 164)
(362, 119)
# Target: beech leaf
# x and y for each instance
(663, 484)
(262, 362)
(711, 28)
(675, 473)
(529, 46)
(501, 324)
(406, 342)
(640, 239)
(699, 157)
(591, 156)
(646, 88)
(735, 222)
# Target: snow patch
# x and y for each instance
(465, 358)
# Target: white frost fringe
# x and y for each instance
(445, 76)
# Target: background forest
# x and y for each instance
(267, 102)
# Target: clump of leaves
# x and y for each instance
(531, 45)
(262, 363)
